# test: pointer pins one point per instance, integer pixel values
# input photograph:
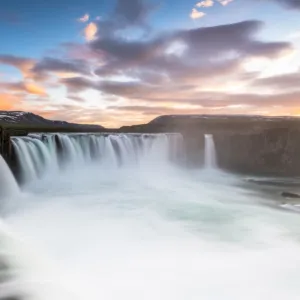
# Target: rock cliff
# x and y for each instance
(244, 144)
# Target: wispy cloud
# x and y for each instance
(90, 31)
(23, 87)
(206, 3)
(225, 2)
(196, 14)
(34, 89)
(294, 4)
(21, 63)
(84, 18)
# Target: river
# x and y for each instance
(132, 223)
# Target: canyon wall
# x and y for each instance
(248, 145)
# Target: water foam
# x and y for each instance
(8, 184)
(154, 231)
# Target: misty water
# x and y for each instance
(121, 217)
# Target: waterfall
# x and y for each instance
(210, 157)
(8, 184)
(41, 154)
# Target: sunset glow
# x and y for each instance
(127, 62)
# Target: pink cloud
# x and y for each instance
(196, 14)
(90, 31)
(205, 3)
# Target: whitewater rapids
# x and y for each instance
(147, 231)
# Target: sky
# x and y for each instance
(123, 62)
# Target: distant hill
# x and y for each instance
(214, 123)
(26, 119)
(166, 123)
(170, 119)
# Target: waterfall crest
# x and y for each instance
(39, 154)
(210, 156)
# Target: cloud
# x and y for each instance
(195, 14)
(198, 70)
(76, 51)
(90, 31)
(76, 98)
(228, 40)
(34, 89)
(27, 87)
(225, 2)
(204, 49)
(214, 100)
(77, 84)
(294, 4)
(132, 12)
(127, 14)
(119, 53)
(48, 64)
(214, 103)
(147, 93)
(205, 3)
(211, 58)
(21, 63)
(84, 18)
(285, 82)
(9, 101)
(127, 89)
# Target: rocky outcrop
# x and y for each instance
(269, 152)
(290, 195)
(245, 144)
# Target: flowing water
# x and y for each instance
(120, 217)
(210, 159)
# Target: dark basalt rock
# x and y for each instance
(253, 145)
(290, 195)
(289, 182)
(14, 164)
(269, 152)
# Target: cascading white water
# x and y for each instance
(8, 184)
(113, 218)
(42, 154)
(210, 157)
